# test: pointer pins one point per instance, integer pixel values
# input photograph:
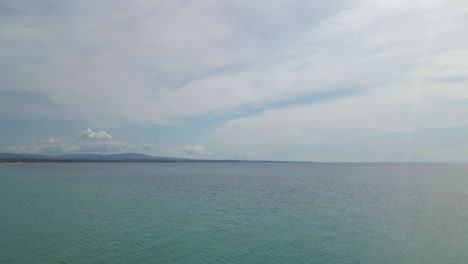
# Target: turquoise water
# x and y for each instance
(233, 213)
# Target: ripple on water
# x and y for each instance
(233, 213)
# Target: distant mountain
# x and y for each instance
(83, 157)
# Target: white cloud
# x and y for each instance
(53, 141)
(195, 150)
(367, 47)
(249, 155)
(163, 61)
(408, 58)
(56, 146)
(107, 147)
(90, 134)
(49, 146)
(392, 117)
(146, 61)
(78, 145)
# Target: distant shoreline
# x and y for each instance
(125, 161)
(125, 157)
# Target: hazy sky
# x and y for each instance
(371, 80)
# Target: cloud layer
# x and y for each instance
(152, 62)
(58, 146)
(86, 143)
(304, 78)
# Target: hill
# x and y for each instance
(83, 157)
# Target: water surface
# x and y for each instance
(233, 213)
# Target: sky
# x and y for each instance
(327, 81)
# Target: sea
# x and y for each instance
(233, 212)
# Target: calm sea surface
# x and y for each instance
(233, 213)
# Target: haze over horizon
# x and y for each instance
(367, 80)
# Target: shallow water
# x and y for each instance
(233, 213)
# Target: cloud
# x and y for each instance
(56, 146)
(407, 60)
(120, 62)
(53, 141)
(164, 62)
(108, 147)
(195, 150)
(80, 144)
(90, 134)
(49, 146)
(249, 155)
(394, 117)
